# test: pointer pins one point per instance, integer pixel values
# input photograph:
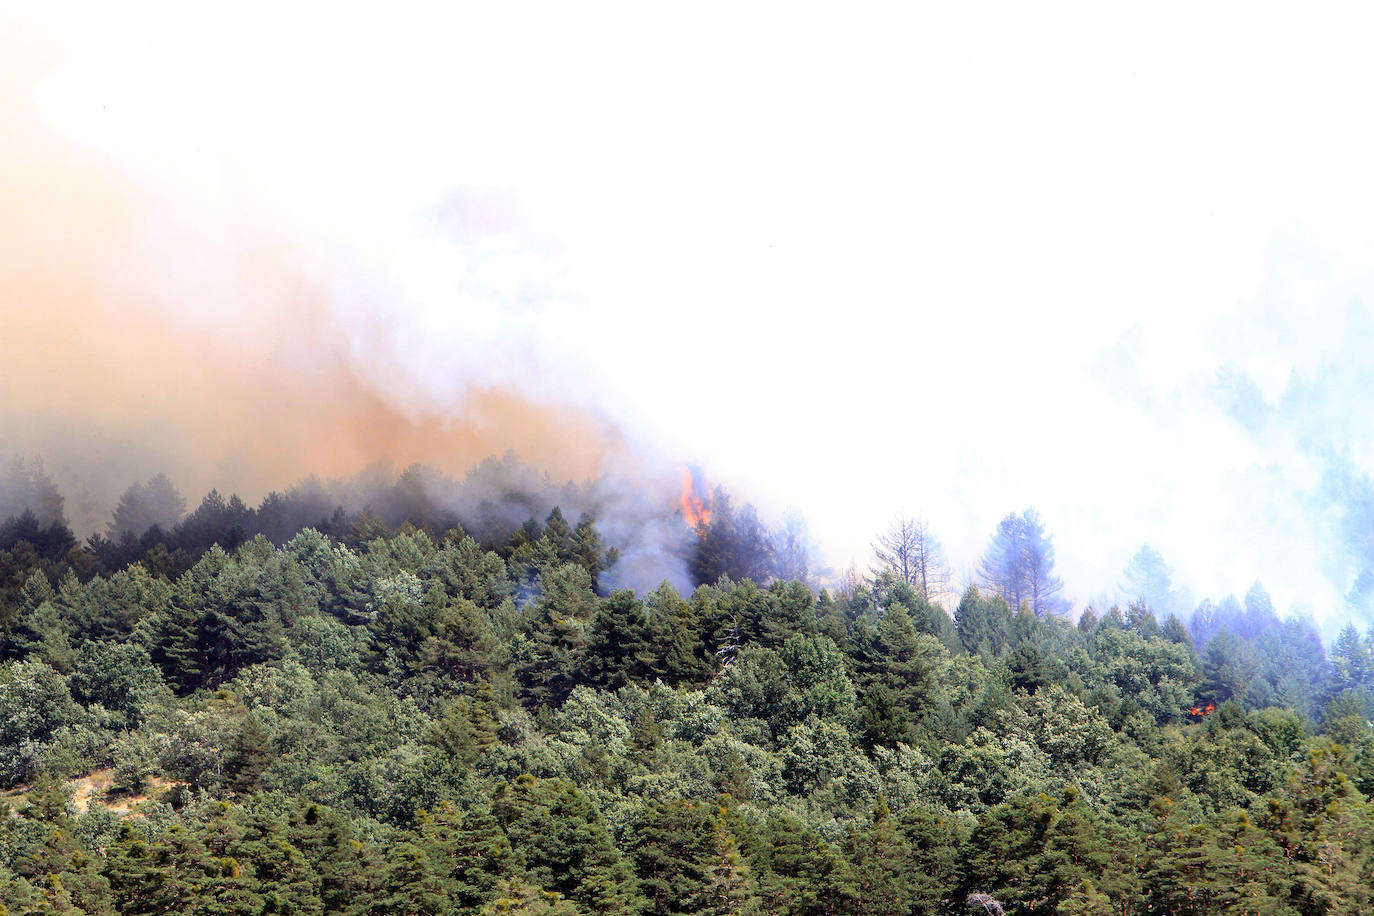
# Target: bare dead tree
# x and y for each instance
(729, 646)
(988, 903)
(909, 549)
(850, 583)
(895, 549)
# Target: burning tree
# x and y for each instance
(696, 501)
(725, 541)
(734, 544)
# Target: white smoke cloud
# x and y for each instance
(939, 260)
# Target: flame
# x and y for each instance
(696, 510)
(1201, 711)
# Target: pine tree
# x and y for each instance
(565, 844)
(1323, 826)
(1196, 869)
(42, 634)
(933, 845)
(519, 898)
(281, 873)
(346, 867)
(731, 889)
(67, 875)
(883, 720)
(176, 871)
(1149, 581)
(620, 649)
(557, 632)
(1019, 565)
(1352, 662)
(792, 612)
(913, 553)
(731, 544)
(1228, 665)
(1174, 631)
(877, 867)
(248, 756)
(589, 551)
(469, 724)
(145, 505)
(800, 874)
(469, 854)
(672, 851)
(983, 625)
(412, 883)
(675, 631)
(1034, 851)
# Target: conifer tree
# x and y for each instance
(731, 889)
(982, 624)
(801, 870)
(412, 883)
(672, 851)
(565, 844)
(558, 628)
(248, 755)
(877, 866)
(620, 649)
(676, 630)
(348, 869)
(1019, 565)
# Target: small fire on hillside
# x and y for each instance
(696, 499)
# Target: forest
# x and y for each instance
(373, 702)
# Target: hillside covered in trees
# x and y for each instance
(387, 707)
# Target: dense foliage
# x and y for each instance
(383, 718)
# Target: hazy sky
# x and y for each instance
(956, 260)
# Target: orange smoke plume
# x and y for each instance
(121, 353)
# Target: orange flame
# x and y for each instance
(695, 510)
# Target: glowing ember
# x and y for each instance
(696, 507)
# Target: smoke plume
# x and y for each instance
(1048, 273)
(135, 339)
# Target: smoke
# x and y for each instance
(140, 337)
(497, 496)
(1269, 419)
(960, 268)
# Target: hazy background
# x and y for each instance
(954, 263)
